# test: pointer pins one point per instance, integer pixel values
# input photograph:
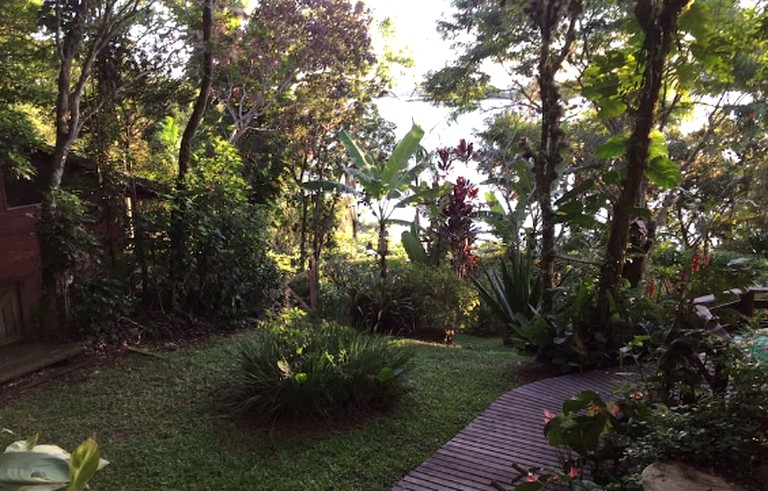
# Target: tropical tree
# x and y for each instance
(284, 45)
(510, 32)
(82, 33)
(178, 230)
(386, 183)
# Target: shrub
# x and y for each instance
(230, 273)
(708, 412)
(724, 430)
(102, 302)
(414, 300)
(293, 368)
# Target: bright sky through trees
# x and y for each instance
(415, 24)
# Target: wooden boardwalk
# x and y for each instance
(509, 431)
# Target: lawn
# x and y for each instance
(156, 422)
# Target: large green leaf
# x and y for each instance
(33, 468)
(570, 208)
(578, 219)
(407, 178)
(615, 146)
(83, 464)
(414, 248)
(417, 197)
(663, 172)
(614, 177)
(576, 192)
(398, 161)
(611, 108)
(372, 186)
(493, 203)
(359, 156)
(657, 146)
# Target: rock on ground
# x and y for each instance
(674, 476)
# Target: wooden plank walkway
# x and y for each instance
(509, 431)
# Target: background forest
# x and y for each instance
(238, 153)
(207, 166)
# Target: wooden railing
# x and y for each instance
(745, 302)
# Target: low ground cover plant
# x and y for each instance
(297, 368)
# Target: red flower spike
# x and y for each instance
(706, 256)
(696, 261)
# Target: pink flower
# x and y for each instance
(637, 395)
(615, 410)
(548, 416)
(532, 477)
(573, 473)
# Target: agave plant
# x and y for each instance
(27, 466)
(513, 293)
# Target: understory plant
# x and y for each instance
(27, 466)
(705, 405)
(513, 293)
(228, 270)
(585, 436)
(415, 300)
(295, 368)
(102, 303)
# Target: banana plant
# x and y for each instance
(27, 466)
(387, 185)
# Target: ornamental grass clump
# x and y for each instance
(293, 368)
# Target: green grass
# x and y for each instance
(156, 422)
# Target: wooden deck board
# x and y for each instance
(509, 431)
(22, 359)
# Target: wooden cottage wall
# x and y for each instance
(20, 269)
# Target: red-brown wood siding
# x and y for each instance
(19, 253)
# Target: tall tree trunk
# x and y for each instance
(383, 249)
(178, 219)
(54, 278)
(76, 58)
(658, 19)
(547, 15)
(303, 231)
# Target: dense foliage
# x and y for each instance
(415, 300)
(699, 400)
(294, 368)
